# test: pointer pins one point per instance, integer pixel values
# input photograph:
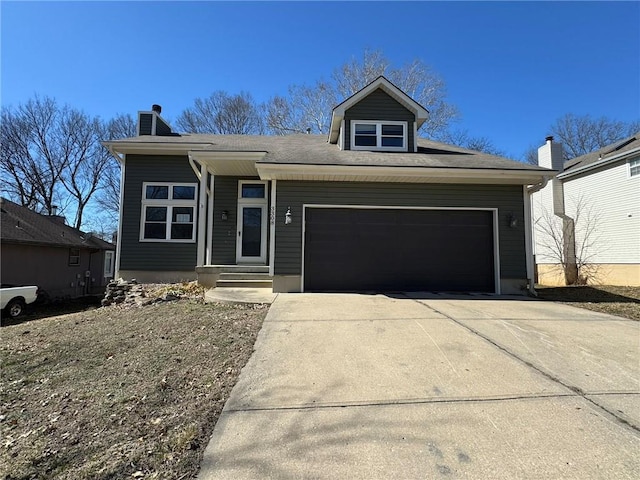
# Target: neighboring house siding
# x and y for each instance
(507, 198)
(544, 247)
(378, 106)
(48, 268)
(146, 123)
(159, 256)
(612, 201)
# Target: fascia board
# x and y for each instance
(274, 171)
(599, 163)
(227, 155)
(156, 148)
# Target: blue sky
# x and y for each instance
(511, 68)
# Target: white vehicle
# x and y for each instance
(13, 300)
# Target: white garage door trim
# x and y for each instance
(496, 242)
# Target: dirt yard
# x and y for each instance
(119, 392)
(621, 301)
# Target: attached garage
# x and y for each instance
(399, 249)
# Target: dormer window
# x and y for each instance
(373, 135)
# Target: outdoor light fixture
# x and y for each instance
(513, 221)
(225, 215)
(287, 216)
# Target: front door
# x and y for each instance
(251, 244)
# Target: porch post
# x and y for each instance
(210, 221)
(528, 239)
(202, 219)
(272, 229)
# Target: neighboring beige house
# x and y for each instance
(41, 250)
(589, 215)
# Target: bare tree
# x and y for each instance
(281, 118)
(51, 156)
(572, 241)
(222, 113)
(108, 197)
(462, 138)
(582, 134)
(35, 152)
(86, 160)
(310, 106)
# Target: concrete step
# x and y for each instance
(241, 268)
(240, 295)
(244, 276)
(244, 283)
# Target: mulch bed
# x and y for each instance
(621, 301)
(119, 391)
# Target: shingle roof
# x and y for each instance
(622, 146)
(18, 224)
(315, 150)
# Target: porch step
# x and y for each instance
(235, 276)
(243, 276)
(266, 283)
(240, 268)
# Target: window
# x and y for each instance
(74, 256)
(634, 167)
(370, 135)
(252, 190)
(168, 212)
(109, 257)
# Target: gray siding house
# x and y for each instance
(371, 207)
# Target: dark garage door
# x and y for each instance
(351, 249)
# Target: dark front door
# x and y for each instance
(251, 234)
(351, 249)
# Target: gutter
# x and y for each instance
(538, 186)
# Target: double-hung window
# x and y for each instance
(634, 167)
(168, 212)
(74, 256)
(109, 261)
(372, 135)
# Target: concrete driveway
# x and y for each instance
(371, 386)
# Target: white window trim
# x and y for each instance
(170, 203)
(379, 147)
(253, 199)
(108, 273)
(633, 160)
(252, 202)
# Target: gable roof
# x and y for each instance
(18, 224)
(385, 85)
(619, 150)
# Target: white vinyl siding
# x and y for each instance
(616, 198)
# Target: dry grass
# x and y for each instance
(621, 301)
(119, 392)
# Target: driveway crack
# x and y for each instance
(573, 388)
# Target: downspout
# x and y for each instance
(528, 229)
